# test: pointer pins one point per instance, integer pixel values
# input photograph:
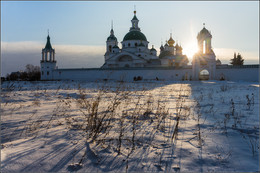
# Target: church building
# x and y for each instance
(135, 51)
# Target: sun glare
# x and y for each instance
(190, 49)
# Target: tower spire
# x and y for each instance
(111, 31)
(134, 10)
(203, 25)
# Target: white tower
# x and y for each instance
(48, 62)
(205, 59)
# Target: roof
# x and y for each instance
(165, 53)
(153, 49)
(48, 44)
(171, 41)
(204, 31)
(135, 35)
(111, 37)
(134, 18)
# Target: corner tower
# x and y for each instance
(48, 62)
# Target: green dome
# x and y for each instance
(135, 35)
(111, 38)
(165, 53)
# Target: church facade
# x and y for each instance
(135, 58)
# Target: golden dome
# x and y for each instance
(171, 41)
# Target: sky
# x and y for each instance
(79, 30)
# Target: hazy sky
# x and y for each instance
(79, 30)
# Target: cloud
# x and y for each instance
(15, 55)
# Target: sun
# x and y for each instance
(190, 49)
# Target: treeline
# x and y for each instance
(237, 60)
(31, 73)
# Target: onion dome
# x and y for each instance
(162, 48)
(112, 36)
(135, 35)
(153, 49)
(171, 41)
(178, 47)
(48, 44)
(165, 54)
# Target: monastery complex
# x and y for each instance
(136, 60)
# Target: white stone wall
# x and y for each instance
(124, 74)
(170, 74)
(238, 74)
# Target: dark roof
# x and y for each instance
(134, 18)
(165, 53)
(111, 38)
(135, 35)
(204, 31)
(153, 49)
(48, 44)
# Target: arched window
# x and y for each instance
(129, 44)
(135, 44)
(110, 48)
(204, 46)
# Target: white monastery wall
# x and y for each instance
(122, 74)
(238, 74)
(230, 74)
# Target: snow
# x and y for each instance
(208, 126)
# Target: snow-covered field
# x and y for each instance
(209, 126)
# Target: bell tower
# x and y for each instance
(48, 62)
(204, 41)
(135, 23)
(110, 43)
(205, 58)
